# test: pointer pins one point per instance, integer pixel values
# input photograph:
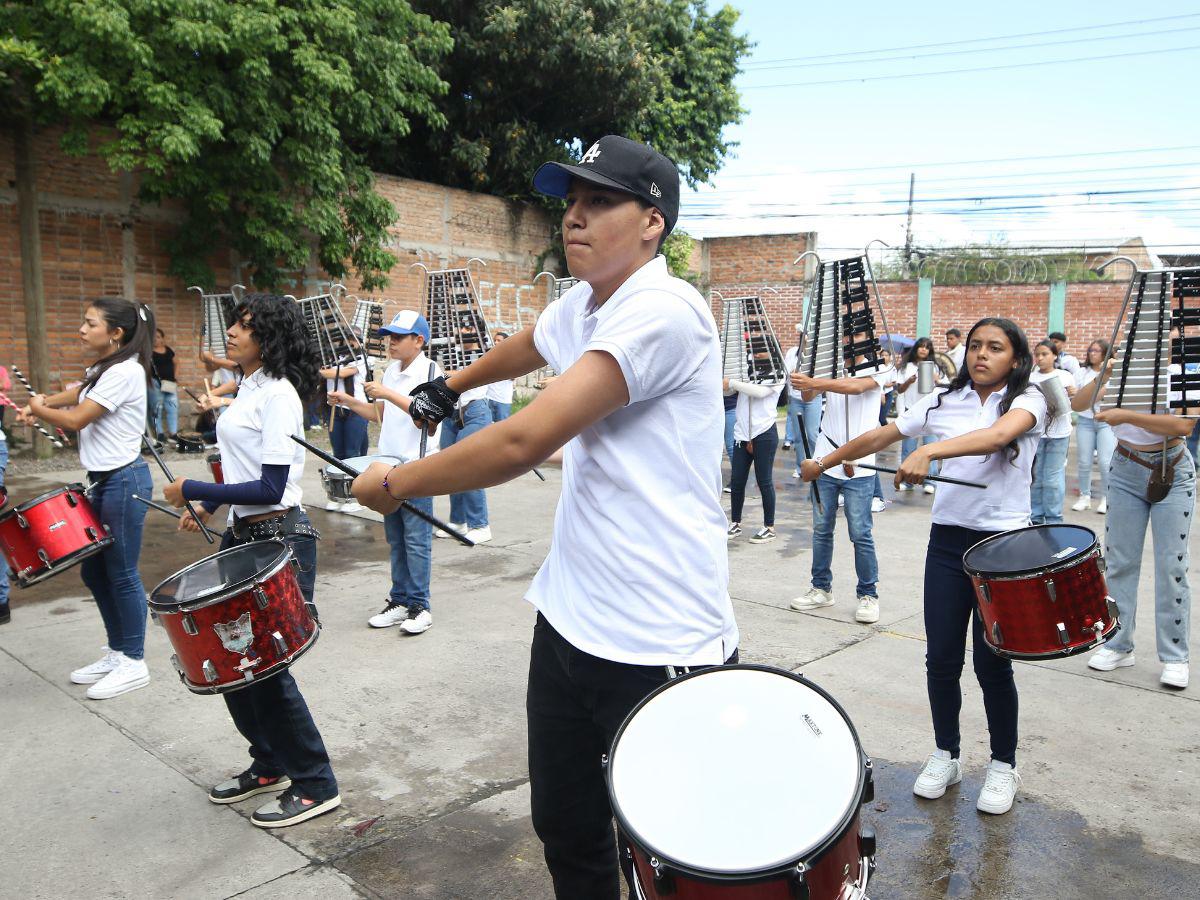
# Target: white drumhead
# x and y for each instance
(735, 770)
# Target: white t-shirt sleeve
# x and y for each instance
(118, 385)
(912, 422)
(657, 339)
(545, 334)
(282, 417)
(1032, 401)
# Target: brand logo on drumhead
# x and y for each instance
(812, 726)
(57, 525)
(236, 636)
(1064, 552)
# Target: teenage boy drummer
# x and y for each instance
(636, 578)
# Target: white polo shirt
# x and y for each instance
(501, 391)
(1134, 434)
(1085, 376)
(1060, 425)
(115, 439)
(638, 569)
(1004, 505)
(363, 364)
(398, 435)
(848, 416)
(958, 354)
(255, 431)
(755, 415)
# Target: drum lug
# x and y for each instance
(43, 556)
(664, 881)
(189, 625)
(985, 593)
(71, 499)
(800, 882)
(997, 638)
(210, 672)
(91, 534)
(21, 521)
(1063, 637)
(1101, 565)
(869, 785)
(281, 646)
(1099, 629)
(178, 667)
(260, 598)
(866, 841)
(1111, 605)
(1051, 591)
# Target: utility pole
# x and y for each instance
(912, 180)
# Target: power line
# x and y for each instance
(1027, 65)
(1003, 37)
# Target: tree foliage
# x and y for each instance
(251, 113)
(677, 249)
(534, 80)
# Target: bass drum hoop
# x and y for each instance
(749, 876)
(225, 591)
(1093, 549)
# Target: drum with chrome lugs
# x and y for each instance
(235, 617)
(740, 782)
(337, 483)
(51, 533)
(1040, 591)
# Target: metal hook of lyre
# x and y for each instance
(419, 265)
(713, 292)
(880, 241)
(237, 291)
(1099, 270)
(553, 281)
(796, 261)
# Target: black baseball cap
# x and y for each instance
(622, 165)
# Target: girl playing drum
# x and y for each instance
(986, 424)
(108, 410)
(262, 469)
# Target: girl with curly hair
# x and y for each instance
(986, 424)
(262, 468)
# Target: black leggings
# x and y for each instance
(763, 458)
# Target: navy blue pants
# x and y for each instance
(348, 434)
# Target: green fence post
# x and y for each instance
(924, 307)
(1056, 316)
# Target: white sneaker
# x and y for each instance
(1102, 509)
(460, 527)
(929, 489)
(334, 506)
(1105, 660)
(763, 535)
(480, 535)
(733, 531)
(795, 473)
(352, 507)
(939, 773)
(815, 598)
(1175, 674)
(392, 614)
(1084, 502)
(904, 486)
(417, 624)
(878, 504)
(129, 675)
(97, 670)
(999, 789)
(868, 610)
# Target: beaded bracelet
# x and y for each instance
(386, 490)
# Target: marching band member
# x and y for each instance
(985, 424)
(1050, 464)
(636, 580)
(908, 394)
(500, 394)
(263, 466)
(468, 509)
(1092, 438)
(108, 410)
(755, 441)
(348, 433)
(409, 537)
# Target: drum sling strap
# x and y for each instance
(277, 528)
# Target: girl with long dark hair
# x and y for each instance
(108, 410)
(985, 424)
(907, 394)
(262, 467)
(1092, 436)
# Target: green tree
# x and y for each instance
(249, 113)
(677, 249)
(535, 80)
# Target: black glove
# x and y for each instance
(432, 402)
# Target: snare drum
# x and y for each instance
(1040, 591)
(337, 483)
(50, 534)
(214, 466)
(235, 617)
(741, 782)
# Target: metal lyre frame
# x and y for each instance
(214, 318)
(844, 284)
(746, 332)
(455, 316)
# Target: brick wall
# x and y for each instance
(97, 239)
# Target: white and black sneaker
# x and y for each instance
(763, 535)
(393, 614)
(291, 807)
(247, 784)
(417, 620)
(734, 530)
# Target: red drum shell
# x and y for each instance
(214, 466)
(1022, 611)
(51, 533)
(281, 627)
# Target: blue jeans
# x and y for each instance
(112, 575)
(500, 411)
(348, 435)
(858, 492)
(411, 542)
(1092, 436)
(1170, 521)
(271, 714)
(161, 406)
(3, 565)
(763, 460)
(908, 445)
(469, 506)
(1193, 441)
(730, 420)
(812, 422)
(1049, 481)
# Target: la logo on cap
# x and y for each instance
(590, 156)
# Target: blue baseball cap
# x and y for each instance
(407, 322)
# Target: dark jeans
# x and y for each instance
(112, 575)
(575, 703)
(763, 458)
(348, 435)
(272, 715)
(949, 606)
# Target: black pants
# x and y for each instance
(763, 458)
(271, 714)
(949, 606)
(575, 703)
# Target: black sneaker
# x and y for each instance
(246, 785)
(291, 807)
(734, 530)
(5, 613)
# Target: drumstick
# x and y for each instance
(188, 391)
(538, 474)
(158, 506)
(207, 385)
(188, 506)
(53, 440)
(816, 495)
(404, 504)
(29, 389)
(942, 478)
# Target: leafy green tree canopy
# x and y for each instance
(250, 113)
